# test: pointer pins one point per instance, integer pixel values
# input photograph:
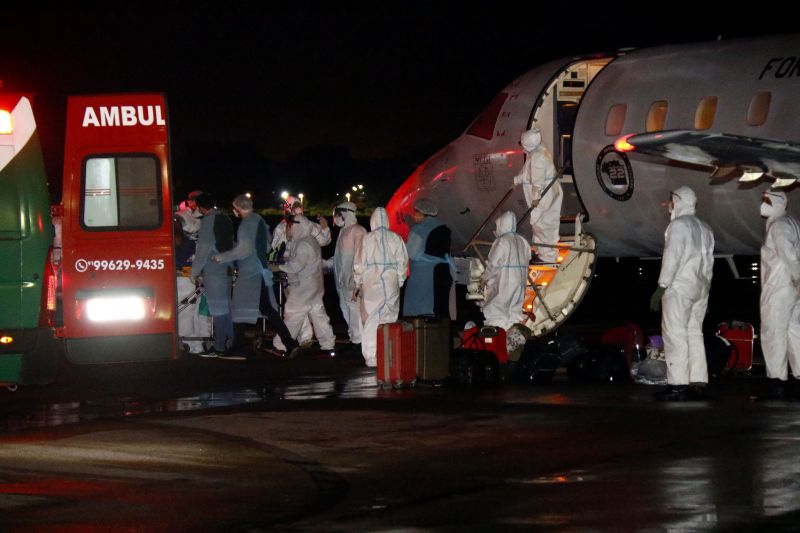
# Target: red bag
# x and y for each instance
(487, 338)
(397, 355)
(740, 335)
(629, 337)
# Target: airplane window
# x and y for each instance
(706, 109)
(657, 115)
(483, 126)
(616, 119)
(759, 108)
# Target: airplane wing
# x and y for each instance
(754, 157)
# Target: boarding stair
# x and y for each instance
(554, 290)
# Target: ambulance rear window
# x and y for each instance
(121, 192)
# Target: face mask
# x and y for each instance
(339, 221)
(766, 210)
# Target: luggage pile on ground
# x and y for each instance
(421, 349)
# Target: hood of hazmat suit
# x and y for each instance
(506, 275)
(773, 204)
(531, 139)
(684, 202)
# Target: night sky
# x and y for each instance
(368, 91)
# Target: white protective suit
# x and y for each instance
(304, 299)
(347, 243)
(380, 269)
(780, 280)
(323, 237)
(506, 275)
(686, 270)
(537, 172)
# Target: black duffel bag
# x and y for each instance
(471, 367)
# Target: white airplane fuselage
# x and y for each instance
(748, 88)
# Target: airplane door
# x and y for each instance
(118, 273)
(555, 116)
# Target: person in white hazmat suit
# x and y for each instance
(537, 173)
(348, 241)
(780, 299)
(683, 286)
(304, 298)
(506, 275)
(379, 270)
(320, 231)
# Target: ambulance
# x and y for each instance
(92, 278)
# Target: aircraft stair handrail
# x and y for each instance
(474, 243)
(547, 188)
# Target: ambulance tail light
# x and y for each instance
(6, 124)
(49, 292)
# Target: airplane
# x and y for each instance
(625, 129)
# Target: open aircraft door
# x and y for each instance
(118, 272)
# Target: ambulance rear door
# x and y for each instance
(118, 273)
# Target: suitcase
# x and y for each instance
(630, 338)
(473, 367)
(740, 335)
(487, 338)
(432, 348)
(397, 358)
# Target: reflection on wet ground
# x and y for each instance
(361, 385)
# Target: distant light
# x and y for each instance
(6, 339)
(347, 195)
(360, 186)
(6, 124)
(355, 188)
(248, 195)
(622, 144)
(530, 306)
(560, 259)
(285, 195)
(544, 284)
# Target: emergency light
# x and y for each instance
(6, 339)
(6, 124)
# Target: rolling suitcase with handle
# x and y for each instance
(397, 357)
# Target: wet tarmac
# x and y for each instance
(313, 445)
